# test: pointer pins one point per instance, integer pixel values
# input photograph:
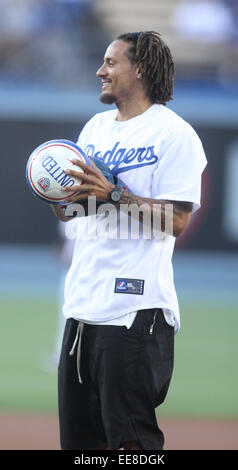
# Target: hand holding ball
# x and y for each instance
(45, 170)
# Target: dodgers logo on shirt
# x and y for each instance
(121, 159)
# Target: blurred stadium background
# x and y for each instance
(49, 53)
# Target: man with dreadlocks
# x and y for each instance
(120, 301)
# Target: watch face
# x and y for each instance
(116, 195)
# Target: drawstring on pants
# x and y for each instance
(78, 339)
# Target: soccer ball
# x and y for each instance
(45, 170)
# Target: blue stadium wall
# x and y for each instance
(30, 118)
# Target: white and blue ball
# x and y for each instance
(45, 170)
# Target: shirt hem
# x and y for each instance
(170, 316)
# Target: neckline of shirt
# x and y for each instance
(136, 118)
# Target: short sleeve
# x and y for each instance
(181, 163)
(85, 133)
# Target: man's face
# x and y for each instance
(118, 74)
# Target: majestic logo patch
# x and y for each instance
(129, 286)
(44, 183)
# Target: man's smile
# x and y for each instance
(106, 82)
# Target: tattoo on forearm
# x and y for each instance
(179, 208)
(130, 198)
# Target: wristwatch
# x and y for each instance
(116, 194)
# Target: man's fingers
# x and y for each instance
(88, 168)
(78, 174)
(78, 197)
(94, 165)
(81, 188)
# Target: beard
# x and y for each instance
(107, 98)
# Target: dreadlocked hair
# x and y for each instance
(155, 63)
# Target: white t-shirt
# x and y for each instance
(158, 155)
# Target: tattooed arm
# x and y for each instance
(180, 212)
(95, 184)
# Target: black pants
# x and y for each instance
(126, 375)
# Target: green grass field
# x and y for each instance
(204, 383)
